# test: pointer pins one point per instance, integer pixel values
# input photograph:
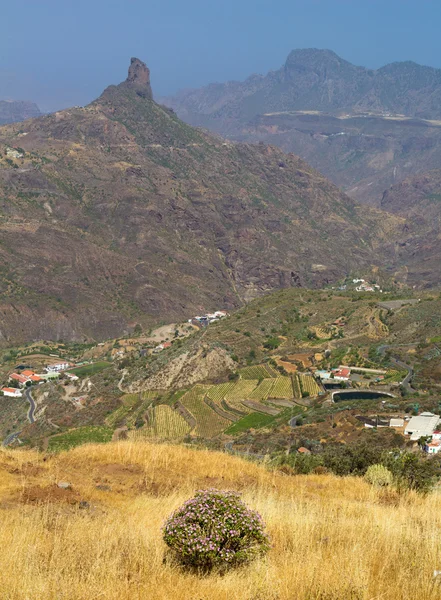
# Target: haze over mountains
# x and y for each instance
(119, 213)
(12, 111)
(364, 129)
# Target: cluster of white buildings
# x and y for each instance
(366, 286)
(27, 376)
(58, 367)
(13, 153)
(423, 425)
(208, 318)
(340, 374)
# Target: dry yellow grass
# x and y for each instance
(332, 539)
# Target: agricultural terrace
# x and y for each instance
(79, 436)
(251, 421)
(241, 390)
(263, 390)
(282, 388)
(296, 386)
(209, 423)
(164, 423)
(309, 385)
(137, 414)
(149, 395)
(217, 392)
(128, 402)
(257, 372)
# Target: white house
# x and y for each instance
(57, 367)
(13, 392)
(432, 447)
(422, 425)
(341, 374)
(72, 377)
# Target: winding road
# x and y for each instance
(401, 365)
(31, 418)
(32, 407)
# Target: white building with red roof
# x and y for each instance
(13, 392)
(341, 374)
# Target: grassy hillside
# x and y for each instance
(332, 538)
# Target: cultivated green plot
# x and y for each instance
(208, 422)
(87, 370)
(217, 392)
(282, 388)
(296, 386)
(137, 413)
(263, 390)
(251, 421)
(150, 395)
(309, 385)
(81, 435)
(241, 390)
(129, 401)
(164, 423)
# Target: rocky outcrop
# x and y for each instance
(139, 78)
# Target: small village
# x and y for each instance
(26, 377)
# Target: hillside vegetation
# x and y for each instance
(332, 538)
(118, 213)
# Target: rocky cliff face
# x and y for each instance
(138, 79)
(119, 213)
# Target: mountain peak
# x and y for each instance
(138, 78)
(316, 60)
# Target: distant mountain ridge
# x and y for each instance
(119, 213)
(12, 111)
(313, 79)
(364, 129)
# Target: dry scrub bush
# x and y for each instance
(379, 476)
(215, 529)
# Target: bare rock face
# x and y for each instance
(139, 78)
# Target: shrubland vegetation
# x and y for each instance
(331, 537)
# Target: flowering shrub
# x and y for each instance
(215, 529)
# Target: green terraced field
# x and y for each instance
(129, 402)
(251, 421)
(150, 395)
(309, 384)
(164, 423)
(282, 388)
(263, 390)
(87, 370)
(217, 392)
(81, 435)
(242, 389)
(296, 386)
(209, 423)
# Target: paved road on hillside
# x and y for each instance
(31, 411)
(401, 365)
(31, 418)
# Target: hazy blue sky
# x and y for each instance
(64, 52)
